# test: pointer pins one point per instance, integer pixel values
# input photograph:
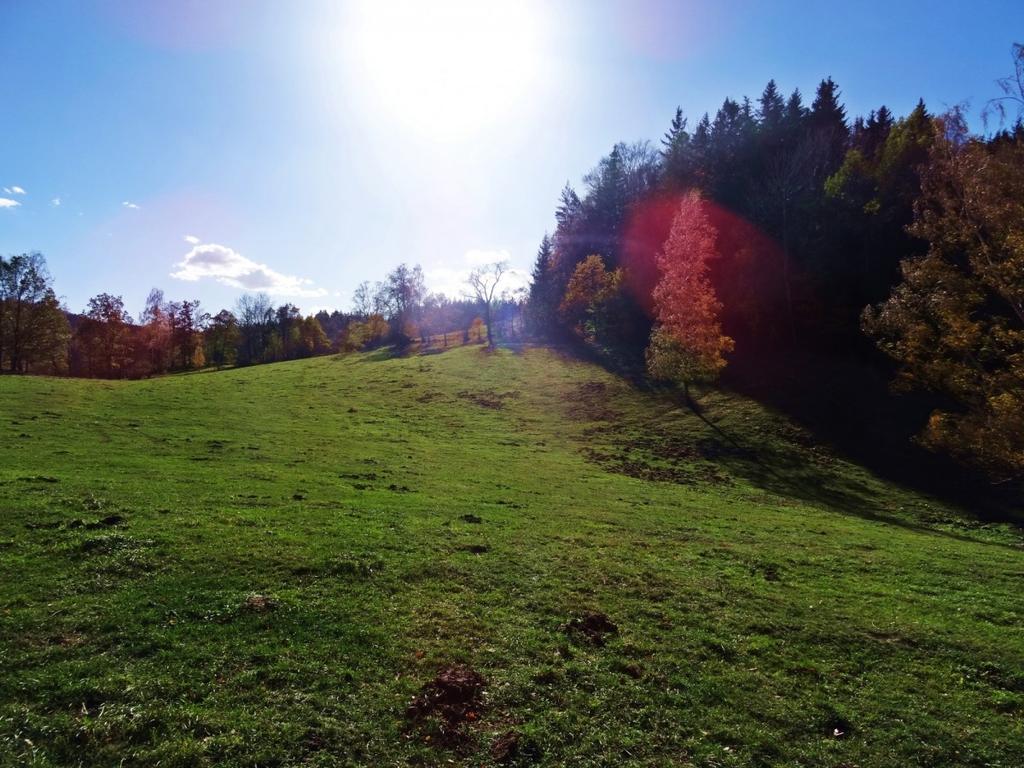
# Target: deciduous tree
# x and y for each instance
(589, 296)
(956, 322)
(688, 345)
(483, 282)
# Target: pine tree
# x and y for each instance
(672, 135)
(772, 109)
(827, 119)
(543, 297)
(606, 201)
(676, 154)
(795, 113)
(569, 206)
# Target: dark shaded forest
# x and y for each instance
(811, 259)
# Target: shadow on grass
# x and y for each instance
(813, 473)
(769, 451)
(848, 403)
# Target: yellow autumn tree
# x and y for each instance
(589, 296)
(956, 322)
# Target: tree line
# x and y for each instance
(39, 335)
(780, 231)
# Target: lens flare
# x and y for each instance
(749, 263)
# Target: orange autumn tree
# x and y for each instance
(687, 344)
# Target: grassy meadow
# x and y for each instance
(271, 566)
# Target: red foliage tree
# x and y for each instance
(687, 345)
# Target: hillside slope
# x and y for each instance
(267, 566)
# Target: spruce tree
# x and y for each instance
(827, 119)
(771, 110)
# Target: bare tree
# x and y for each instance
(483, 282)
(362, 300)
(1012, 87)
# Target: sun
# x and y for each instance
(448, 67)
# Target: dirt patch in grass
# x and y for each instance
(593, 627)
(512, 747)
(630, 669)
(588, 402)
(259, 604)
(659, 469)
(471, 518)
(358, 476)
(446, 705)
(488, 398)
(67, 639)
(104, 522)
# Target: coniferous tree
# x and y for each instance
(671, 138)
(544, 295)
(827, 119)
(772, 109)
(677, 155)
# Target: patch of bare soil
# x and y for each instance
(259, 603)
(593, 627)
(488, 398)
(448, 704)
(588, 403)
(671, 471)
(513, 747)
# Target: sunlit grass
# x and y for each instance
(295, 561)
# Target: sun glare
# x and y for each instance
(449, 67)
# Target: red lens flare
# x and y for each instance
(748, 266)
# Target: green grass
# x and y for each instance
(767, 593)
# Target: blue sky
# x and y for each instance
(304, 147)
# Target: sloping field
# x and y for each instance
(473, 559)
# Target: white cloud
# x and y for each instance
(192, 240)
(227, 266)
(55, 202)
(129, 204)
(451, 281)
(6, 202)
(15, 190)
